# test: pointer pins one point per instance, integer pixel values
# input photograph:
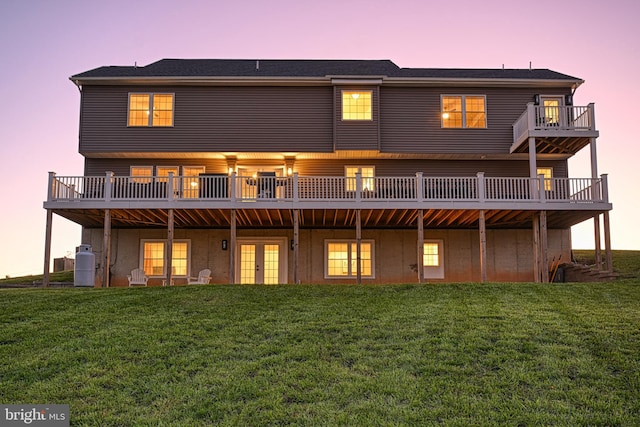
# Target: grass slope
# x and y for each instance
(464, 354)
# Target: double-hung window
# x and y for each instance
(367, 174)
(464, 111)
(356, 105)
(150, 109)
(341, 258)
(152, 258)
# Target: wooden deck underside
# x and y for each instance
(320, 218)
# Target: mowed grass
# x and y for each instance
(446, 354)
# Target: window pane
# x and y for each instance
(366, 172)
(365, 259)
(338, 259)
(139, 109)
(179, 259)
(356, 105)
(141, 174)
(163, 171)
(548, 174)
(452, 111)
(475, 112)
(162, 110)
(431, 257)
(153, 260)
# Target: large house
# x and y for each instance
(329, 171)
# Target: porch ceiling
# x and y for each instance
(320, 218)
(557, 145)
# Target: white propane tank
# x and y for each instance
(85, 270)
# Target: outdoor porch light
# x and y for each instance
(230, 171)
(289, 171)
(355, 95)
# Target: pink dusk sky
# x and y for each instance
(44, 42)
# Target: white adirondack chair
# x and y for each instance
(137, 277)
(203, 278)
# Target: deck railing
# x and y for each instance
(560, 118)
(418, 188)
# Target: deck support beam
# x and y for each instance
(106, 248)
(47, 249)
(232, 247)
(544, 248)
(420, 248)
(607, 243)
(598, 241)
(483, 246)
(358, 247)
(169, 254)
(296, 246)
(536, 247)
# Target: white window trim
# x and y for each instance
(141, 257)
(150, 118)
(435, 272)
(464, 111)
(342, 91)
(354, 273)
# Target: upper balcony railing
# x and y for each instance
(229, 189)
(556, 118)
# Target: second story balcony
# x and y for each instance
(557, 129)
(233, 191)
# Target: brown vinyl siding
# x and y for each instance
(410, 120)
(122, 167)
(495, 168)
(355, 134)
(212, 119)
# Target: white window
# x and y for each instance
(150, 109)
(191, 181)
(432, 261)
(341, 259)
(356, 104)
(464, 111)
(141, 174)
(152, 254)
(547, 174)
(366, 172)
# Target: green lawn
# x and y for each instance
(463, 354)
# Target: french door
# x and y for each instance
(261, 261)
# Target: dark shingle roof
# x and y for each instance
(203, 68)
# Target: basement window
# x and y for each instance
(153, 254)
(341, 259)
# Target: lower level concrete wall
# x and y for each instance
(509, 253)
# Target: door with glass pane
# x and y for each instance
(261, 262)
(553, 110)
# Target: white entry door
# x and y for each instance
(261, 261)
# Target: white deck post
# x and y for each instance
(419, 187)
(50, 192)
(295, 187)
(232, 177)
(358, 186)
(107, 185)
(533, 166)
(481, 188)
(170, 194)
